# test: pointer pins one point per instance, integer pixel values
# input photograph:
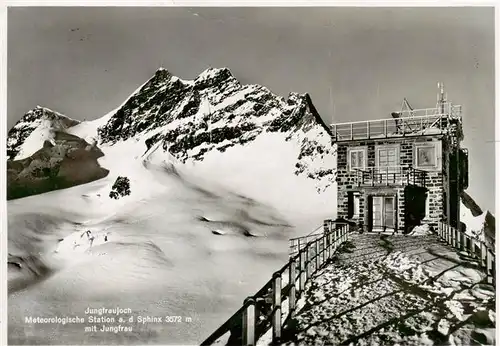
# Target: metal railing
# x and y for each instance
(427, 121)
(275, 303)
(474, 247)
(398, 175)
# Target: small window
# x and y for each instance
(356, 158)
(387, 158)
(426, 156)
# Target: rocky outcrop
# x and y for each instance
(64, 162)
(35, 118)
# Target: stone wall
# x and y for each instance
(347, 180)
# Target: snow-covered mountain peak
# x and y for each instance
(36, 126)
(213, 76)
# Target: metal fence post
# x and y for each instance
(276, 308)
(302, 278)
(308, 261)
(292, 278)
(489, 267)
(249, 322)
(457, 240)
(484, 255)
(330, 247)
(318, 262)
(323, 253)
(462, 241)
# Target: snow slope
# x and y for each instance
(222, 186)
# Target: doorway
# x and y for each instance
(383, 213)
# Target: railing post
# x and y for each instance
(302, 278)
(352, 133)
(385, 128)
(489, 267)
(292, 295)
(328, 245)
(368, 129)
(276, 308)
(462, 241)
(325, 251)
(452, 236)
(249, 322)
(470, 250)
(308, 261)
(317, 255)
(484, 255)
(457, 240)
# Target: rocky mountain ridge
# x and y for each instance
(190, 119)
(215, 112)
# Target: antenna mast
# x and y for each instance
(441, 98)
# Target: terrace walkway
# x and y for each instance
(394, 289)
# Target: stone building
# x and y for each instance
(407, 170)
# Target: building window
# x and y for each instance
(356, 158)
(387, 158)
(426, 156)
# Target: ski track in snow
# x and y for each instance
(395, 290)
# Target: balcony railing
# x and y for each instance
(390, 176)
(428, 121)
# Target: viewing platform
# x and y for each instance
(417, 122)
